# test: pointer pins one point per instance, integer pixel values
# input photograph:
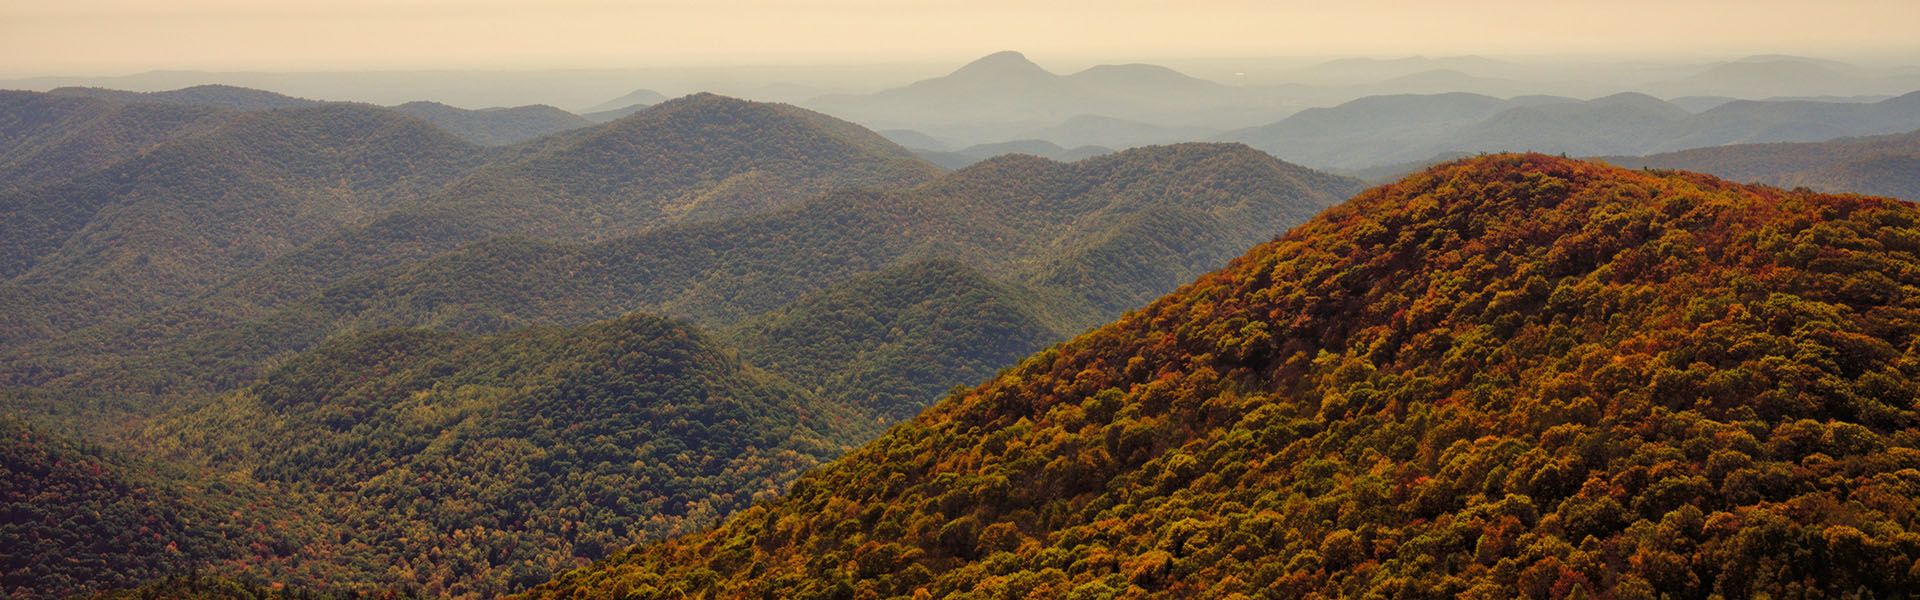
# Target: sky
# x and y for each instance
(91, 37)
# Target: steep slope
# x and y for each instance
(474, 466)
(496, 126)
(1512, 376)
(76, 518)
(1881, 165)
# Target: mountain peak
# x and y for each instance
(1006, 62)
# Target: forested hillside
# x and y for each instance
(1511, 376)
(475, 466)
(46, 139)
(181, 217)
(1090, 238)
(77, 517)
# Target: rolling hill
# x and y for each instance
(1094, 238)
(46, 139)
(1511, 376)
(291, 200)
(177, 218)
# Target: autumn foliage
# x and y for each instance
(1511, 376)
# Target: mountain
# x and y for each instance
(1880, 165)
(1511, 376)
(1093, 238)
(1768, 76)
(1745, 121)
(1611, 124)
(1005, 94)
(291, 201)
(179, 217)
(913, 140)
(964, 157)
(496, 126)
(1369, 131)
(210, 96)
(640, 97)
(1384, 130)
(514, 455)
(699, 158)
(615, 114)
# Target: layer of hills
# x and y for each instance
(1073, 244)
(312, 194)
(353, 351)
(1878, 165)
(1512, 376)
(1005, 95)
(964, 157)
(1386, 130)
(1413, 109)
(488, 126)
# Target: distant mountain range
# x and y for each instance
(1881, 165)
(496, 126)
(641, 97)
(1395, 129)
(1005, 94)
(956, 159)
(1452, 109)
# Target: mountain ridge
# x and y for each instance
(1508, 376)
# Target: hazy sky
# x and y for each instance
(105, 36)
